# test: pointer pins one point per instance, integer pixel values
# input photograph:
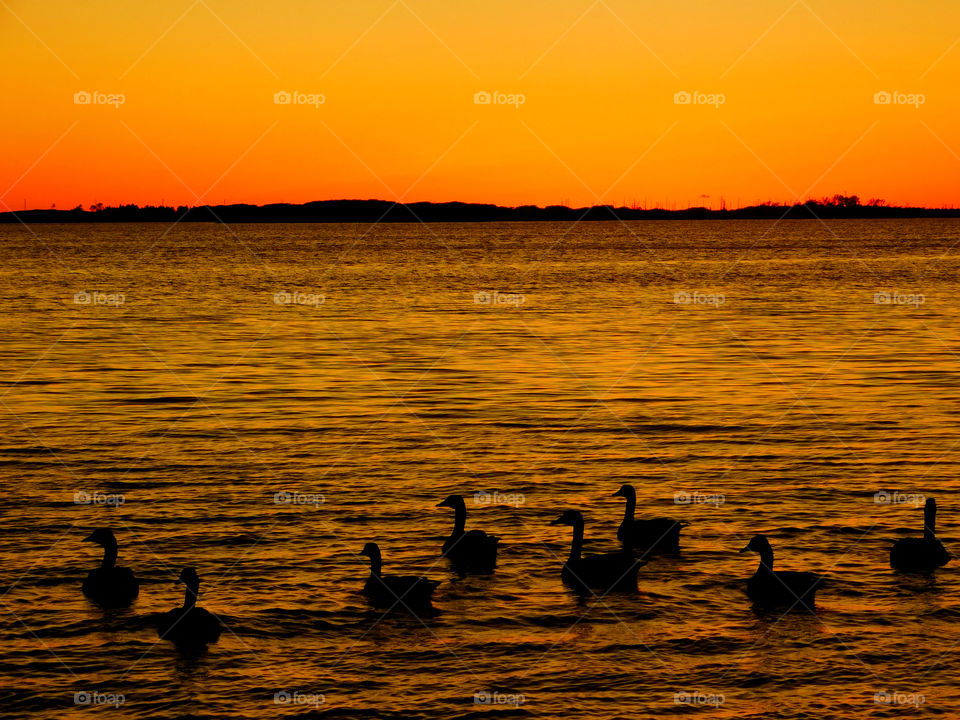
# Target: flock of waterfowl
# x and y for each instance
(475, 551)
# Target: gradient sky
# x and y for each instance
(599, 121)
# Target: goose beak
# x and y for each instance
(745, 549)
(558, 521)
(442, 503)
(89, 538)
(618, 493)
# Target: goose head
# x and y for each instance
(103, 537)
(569, 517)
(189, 577)
(758, 544)
(372, 551)
(626, 491)
(453, 502)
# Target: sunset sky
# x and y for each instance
(398, 78)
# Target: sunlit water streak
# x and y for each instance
(798, 398)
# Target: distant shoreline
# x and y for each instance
(374, 211)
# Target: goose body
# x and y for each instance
(610, 572)
(189, 624)
(771, 588)
(653, 534)
(921, 554)
(108, 585)
(468, 549)
(408, 591)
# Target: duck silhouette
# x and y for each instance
(921, 554)
(653, 534)
(189, 624)
(408, 591)
(109, 586)
(610, 572)
(770, 588)
(473, 549)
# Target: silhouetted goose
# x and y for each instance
(474, 549)
(189, 624)
(109, 586)
(921, 554)
(771, 587)
(609, 572)
(655, 534)
(409, 591)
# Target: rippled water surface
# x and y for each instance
(792, 402)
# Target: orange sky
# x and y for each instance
(599, 121)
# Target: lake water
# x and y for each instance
(777, 376)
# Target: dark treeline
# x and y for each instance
(369, 211)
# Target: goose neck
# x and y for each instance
(930, 522)
(630, 509)
(459, 519)
(190, 595)
(576, 547)
(109, 557)
(766, 560)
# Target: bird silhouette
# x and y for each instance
(610, 572)
(189, 624)
(921, 554)
(109, 586)
(654, 534)
(769, 587)
(472, 549)
(408, 591)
